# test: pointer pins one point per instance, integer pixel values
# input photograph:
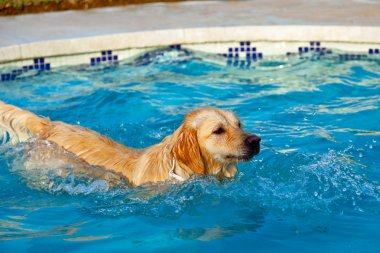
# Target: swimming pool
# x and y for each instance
(313, 188)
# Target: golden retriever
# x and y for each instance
(210, 141)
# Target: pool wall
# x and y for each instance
(234, 45)
(235, 33)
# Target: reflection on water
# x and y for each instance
(10, 230)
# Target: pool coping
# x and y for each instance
(159, 38)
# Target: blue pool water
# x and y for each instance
(315, 186)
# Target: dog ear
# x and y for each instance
(187, 151)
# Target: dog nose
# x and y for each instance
(252, 140)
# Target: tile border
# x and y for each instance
(159, 38)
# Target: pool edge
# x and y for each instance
(158, 38)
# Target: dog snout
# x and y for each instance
(253, 144)
(252, 140)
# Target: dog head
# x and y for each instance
(212, 141)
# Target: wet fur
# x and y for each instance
(191, 146)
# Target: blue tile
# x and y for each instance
(248, 43)
(42, 60)
(16, 72)
(318, 43)
(104, 58)
(370, 51)
(312, 43)
(230, 49)
(318, 49)
(306, 49)
(376, 51)
(110, 58)
(36, 66)
(242, 44)
(47, 66)
(253, 49)
(2, 77)
(30, 67)
(175, 47)
(98, 59)
(288, 54)
(248, 55)
(109, 52)
(42, 67)
(230, 55)
(25, 68)
(300, 49)
(7, 77)
(36, 61)
(242, 49)
(224, 55)
(115, 57)
(92, 61)
(236, 55)
(254, 56)
(104, 53)
(260, 55)
(236, 49)
(312, 49)
(248, 49)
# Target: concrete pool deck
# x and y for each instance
(49, 34)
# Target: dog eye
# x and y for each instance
(220, 130)
(239, 124)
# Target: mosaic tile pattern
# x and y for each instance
(243, 55)
(176, 47)
(314, 50)
(352, 57)
(38, 65)
(245, 51)
(373, 51)
(106, 57)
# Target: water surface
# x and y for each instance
(313, 188)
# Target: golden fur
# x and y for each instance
(197, 146)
